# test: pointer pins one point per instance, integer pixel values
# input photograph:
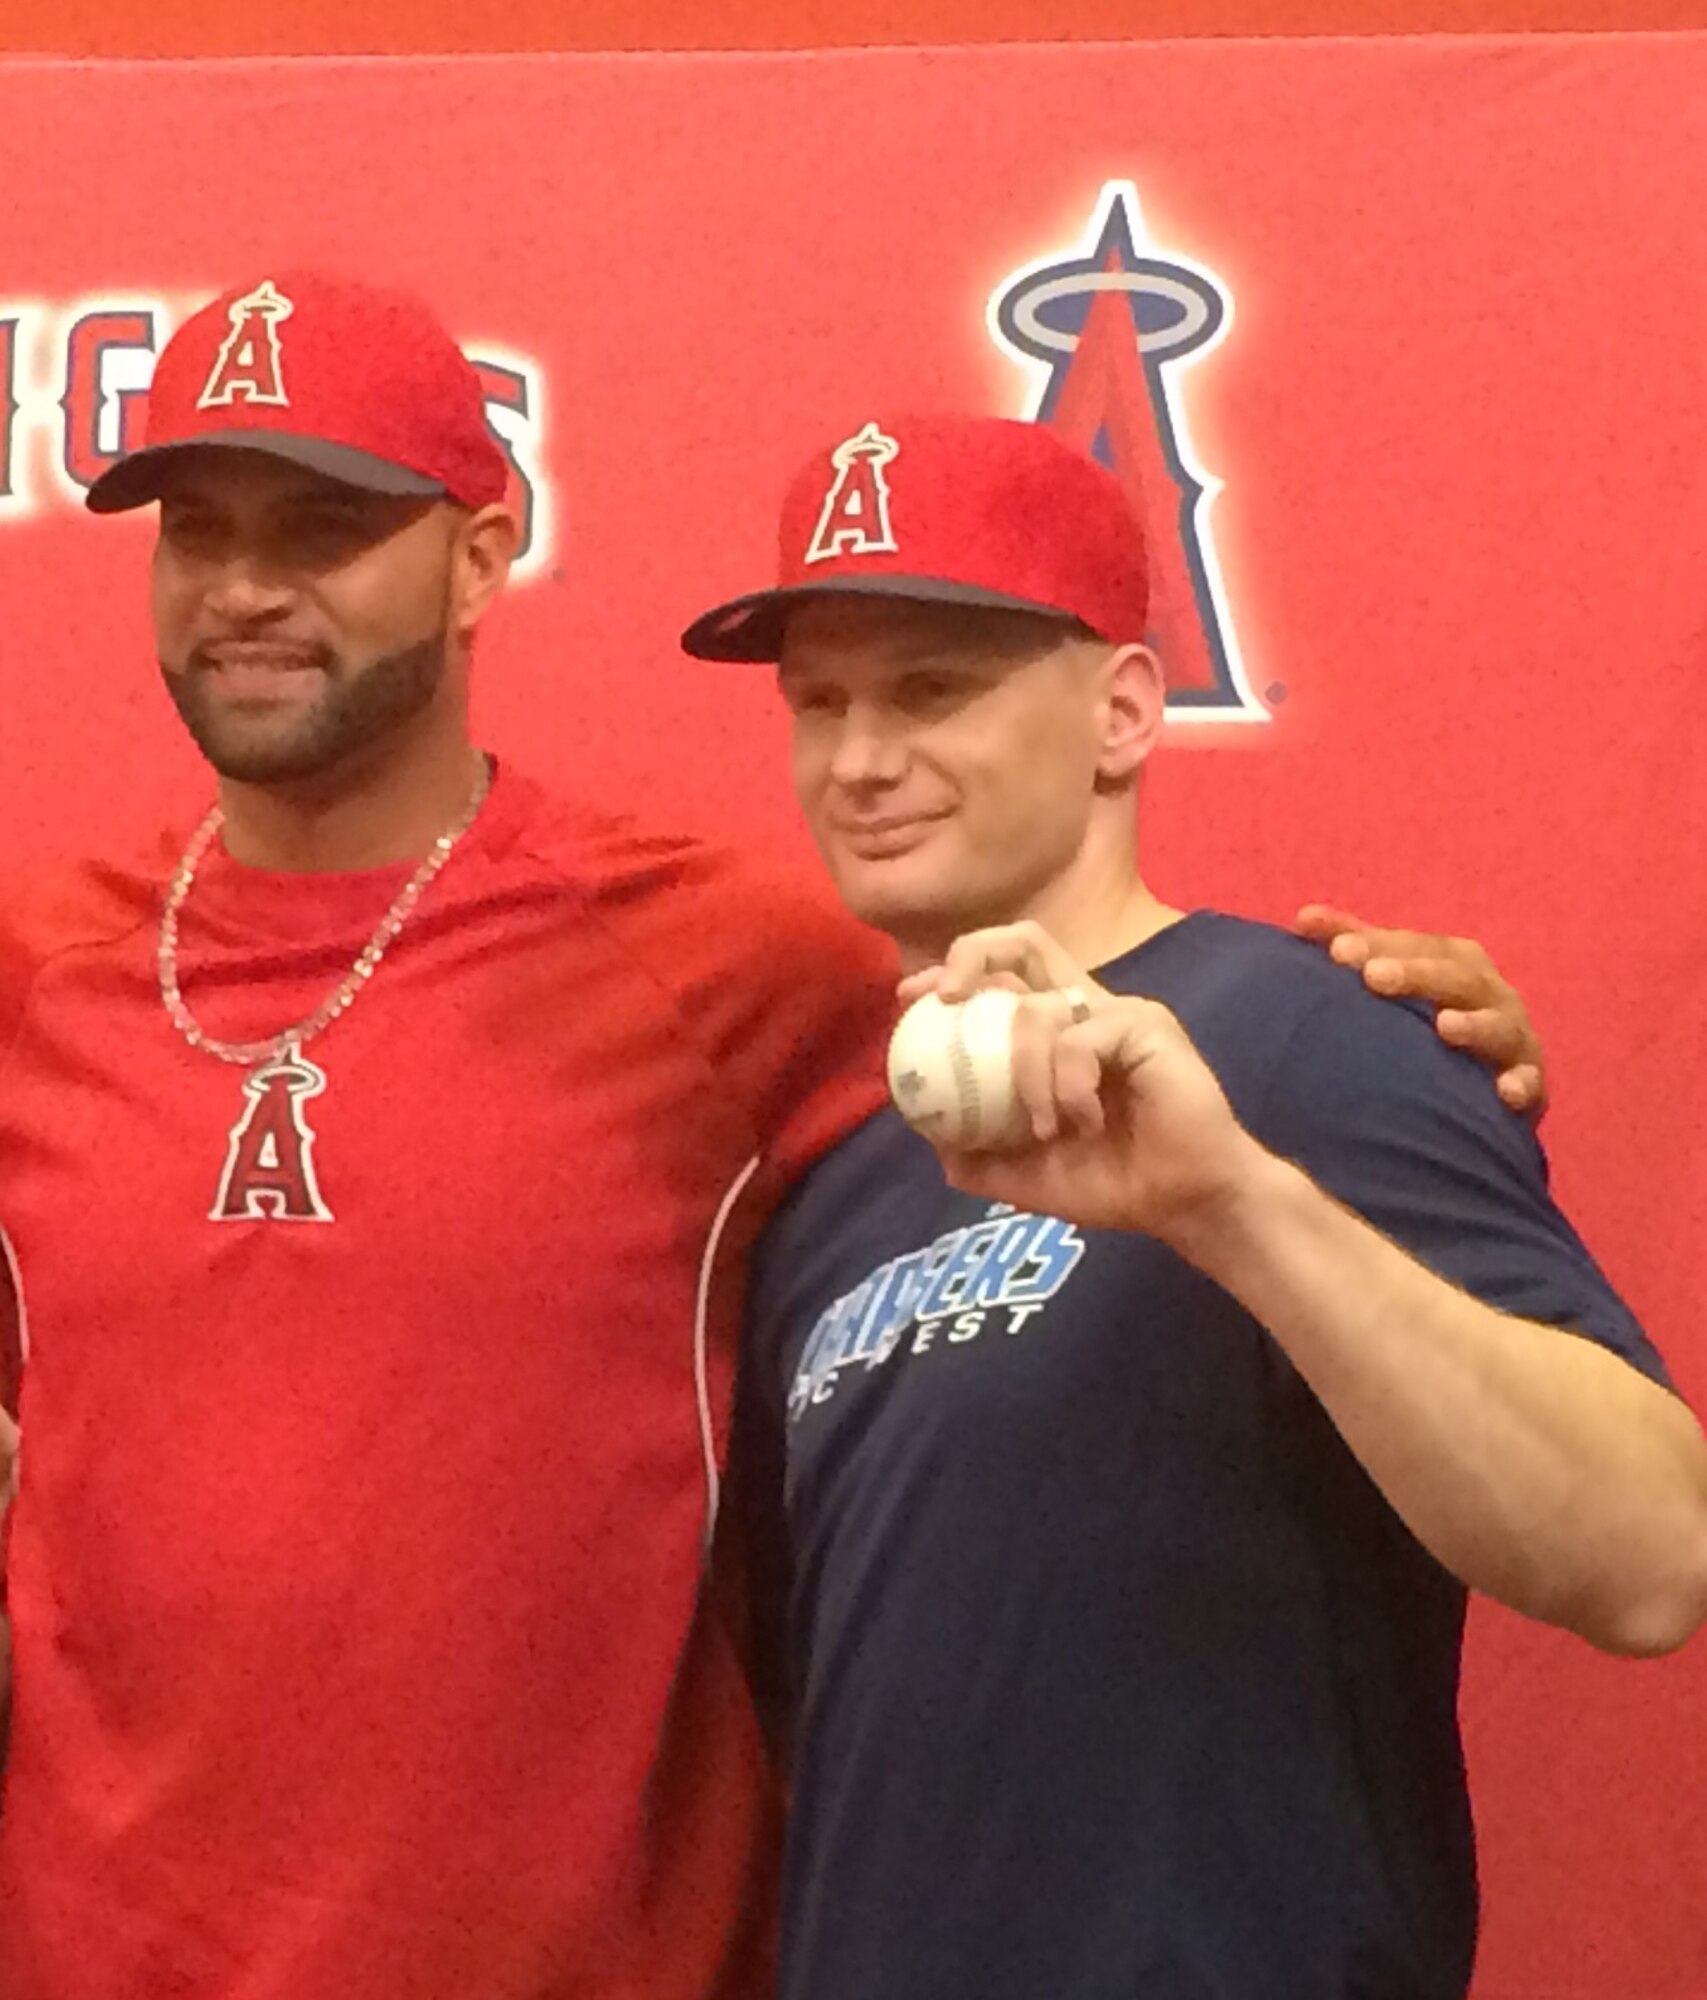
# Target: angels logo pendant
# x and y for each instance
(269, 1172)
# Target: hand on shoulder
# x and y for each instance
(1479, 1011)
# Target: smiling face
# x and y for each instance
(952, 763)
(298, 620)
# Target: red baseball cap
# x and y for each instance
(360, 384)
(948, 510)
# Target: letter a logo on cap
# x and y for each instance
(247, 363)
(855, 520)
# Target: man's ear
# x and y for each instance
(1129, 714)
(486, 548)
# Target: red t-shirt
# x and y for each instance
(363, 1650)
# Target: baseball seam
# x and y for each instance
(965, 1083)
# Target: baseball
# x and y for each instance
(951, 1071)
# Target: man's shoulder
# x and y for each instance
(623, 856)
(1219, 953)
(694, 900)
(85, 902)
(62, 913)
(1216, 970)
(1288, 1030)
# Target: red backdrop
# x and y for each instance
(1447, 416)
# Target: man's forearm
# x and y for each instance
(1537, 1466)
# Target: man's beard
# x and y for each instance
(355, 712)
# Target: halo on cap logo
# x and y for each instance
(855, 517)
(1105, 333)
(248, 364)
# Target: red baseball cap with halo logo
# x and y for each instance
(982, 511)
(360, 384)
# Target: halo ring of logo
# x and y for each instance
(1200, 308)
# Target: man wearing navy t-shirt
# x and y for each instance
(1112, 1499)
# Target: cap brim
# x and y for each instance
(135, 481)
(750, 628)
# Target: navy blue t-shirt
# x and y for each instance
(1109, 1673)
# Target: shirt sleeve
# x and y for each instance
(1413, 1136)
(792, 1001)
(65, 911)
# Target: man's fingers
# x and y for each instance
(983, 956)
(917, 984)
(1430, 945)
(1078, 1085)
(1523, 1089)
(1117, 1038)
(1035, 1027)
(1057, 1067)
(1062, 1058)
(1495, 1036)
(1026, 952)
(934, 978)
(1502, 1040)
(1478, 1010)
(1448, 982)
(1322, 921)
(1352, 941)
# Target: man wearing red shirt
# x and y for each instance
(374, 1161)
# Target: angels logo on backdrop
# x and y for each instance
(73, 380)
(1105, 333)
